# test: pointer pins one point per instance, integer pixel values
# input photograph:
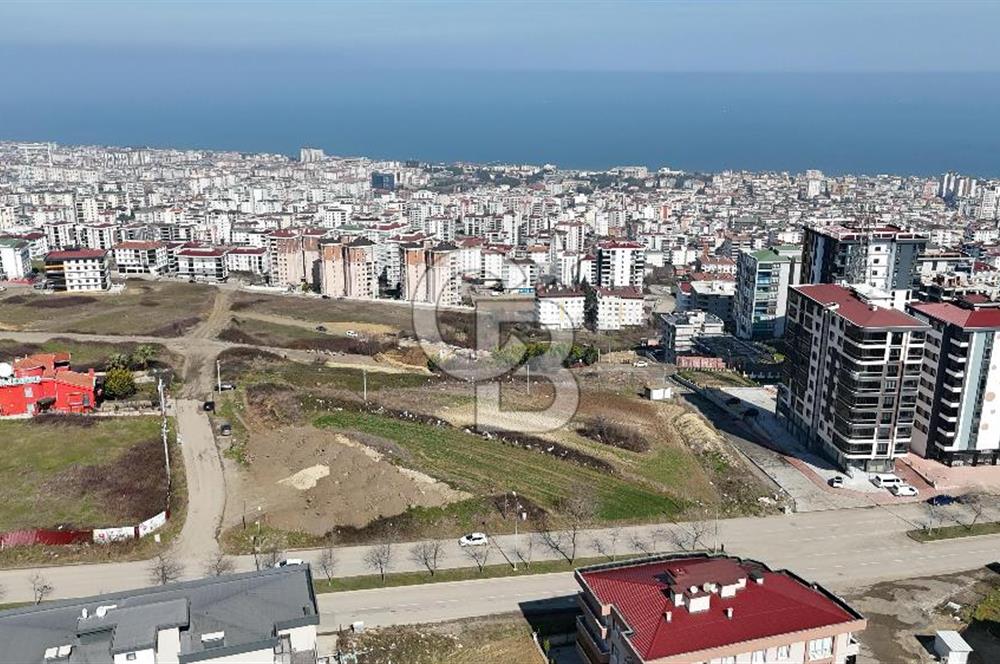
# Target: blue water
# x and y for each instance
(871, 123)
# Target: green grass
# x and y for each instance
(715, 378)
(988, 609)
(35, 455)
(487, 467)
(493, 571)
(952, 532)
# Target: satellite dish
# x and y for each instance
(6, 370)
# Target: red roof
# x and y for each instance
(946, 312)
(75, 254)
(139, 245)
(855, 310)
(782, 604)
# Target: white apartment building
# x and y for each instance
(559, 309)
(854, 367)
(250, 260)
(141, 257)
(681, 328)
(762, 282)
(203, 263)
(620, 307)
(60, 235)
(620, 264)
(15, 259)
(78, 270)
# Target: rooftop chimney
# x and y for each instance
(668, 616)
(729, 613)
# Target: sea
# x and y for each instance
(871, 123)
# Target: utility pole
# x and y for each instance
(218, 375)
(517, 517)
(527, 367)
(364, 382)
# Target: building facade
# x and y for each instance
(762, 282)
(884, 256)
(853, 368)
(44, 383)
(78, 270)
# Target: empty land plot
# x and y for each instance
(159, 309)
(87, 354)
(255, 332)
(80, 472)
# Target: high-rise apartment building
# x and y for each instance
(853, 369)
(620, 264)
(956, 418)
(884, 257)
(762, 281)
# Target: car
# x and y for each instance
(885, 480)
(903, 490)
(640, 363)
(942, 499)
(227, 387)
(321, 328)
(226, 429)
(208, 406)
(837, 482)
(325, 297)
(288, 562)
(351, 333)
(474, 539)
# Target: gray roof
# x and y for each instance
(249, 608)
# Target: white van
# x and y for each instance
(886, 480)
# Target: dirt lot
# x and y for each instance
(904, 615)
(309, 480)
(80, 472)
(492, 640)
(159, 309)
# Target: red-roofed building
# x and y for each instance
(78, 270)
(854, 367)
(45, 383)
(701, 609)
(957, 397)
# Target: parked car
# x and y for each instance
(351, 333)
(226, 429)
(321, 328)
(325, 297)
(227, 387)
(885, 480)
(288, 562)
(837, 482)
(208, 406)
(640, 363)
(903, 490)
(942, 499)
(474, 539)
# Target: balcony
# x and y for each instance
(943, 432)
(961, 359)
(959, 343)
(955, 373)
(595, 649)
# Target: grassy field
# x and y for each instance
(952, 532)
(161, 309)
(715, 378)
(80, 472)
(266, 333)
(456, 326)
(487, 467)
(88, 354)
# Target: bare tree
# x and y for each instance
(426, 554)
(266, 553)
(641, 544)
(933, 512)
(690, 536)
(478, 555)
(328, 560)
(577, 510)
(40, 588)
(164, 569)
(219, 564)
(976, 502)
(378, 558)
(606, 543)
(525, 553)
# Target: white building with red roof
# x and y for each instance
(141, 257)
(710, 609)
(78, 270)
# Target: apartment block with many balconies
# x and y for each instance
(956, 420)
(850, 390)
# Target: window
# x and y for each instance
(820, 648)
(758, 657)
(784, 652)
(130, 656)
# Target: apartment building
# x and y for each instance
(249, 260)
(265, 617)
(141, 257)
(716, 296)
(681, 328)
(98, 236)
(78, 270)
(203, 263)
(15, 259)
(620, 264)
(710, 609)
(956, 401)
(761, 298)
(560, 308)
(60, 235)
(884, 256)
(853, 371)
(619, 307)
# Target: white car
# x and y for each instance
(288, 562)
(903, 490)
(351, 333)
(640, 363)
(474, 539)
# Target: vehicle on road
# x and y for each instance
(474, 539)
(288, 562)
(351, 333)
(885, 480)
(208, 406)
(226, 429)
(903, 490)
(836, 482)
(942, 500)
(321, 328)
(227, 387)
(640, 363)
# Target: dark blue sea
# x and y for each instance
(862, 123)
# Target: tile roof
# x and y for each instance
(967, 319)
(855, 310)
(781, 604)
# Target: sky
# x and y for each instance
(748, 36)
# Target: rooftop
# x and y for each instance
(967, 318)
(855, 310)
(764, 603)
